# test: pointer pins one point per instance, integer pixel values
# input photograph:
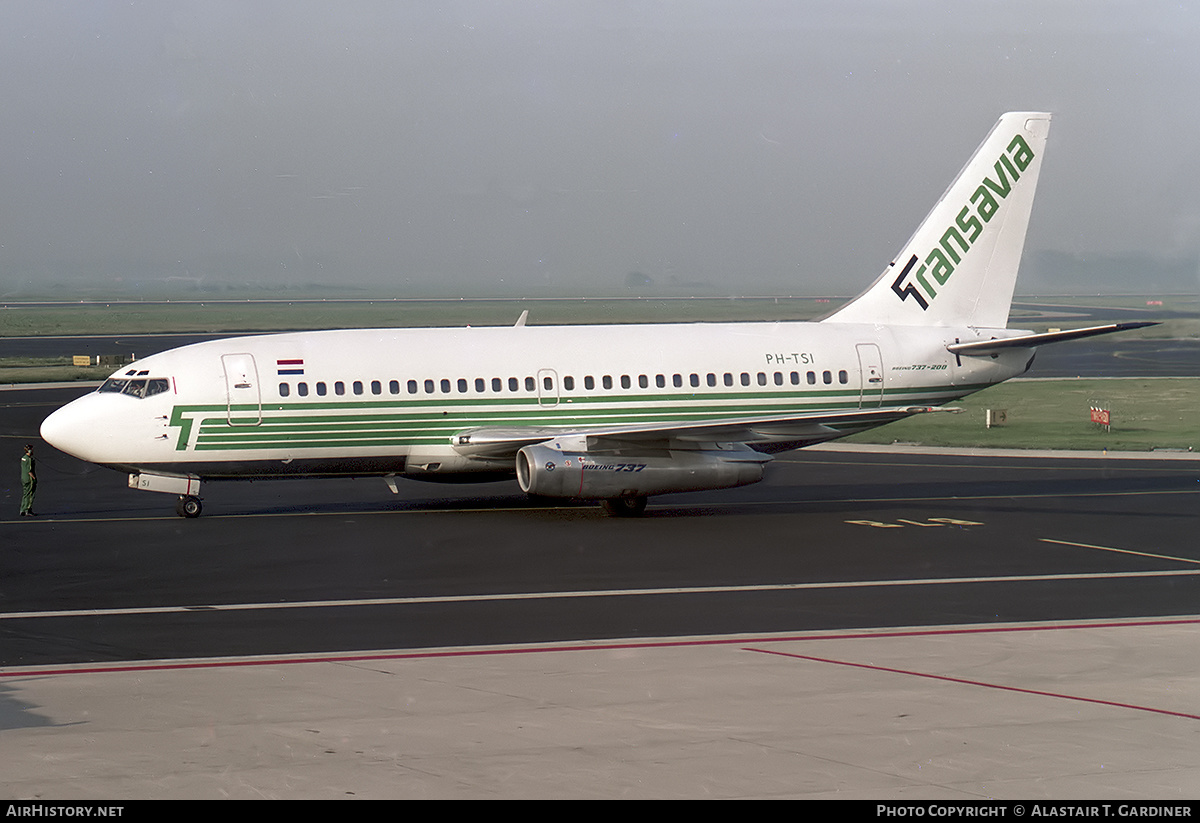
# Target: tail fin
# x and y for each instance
(960, 267)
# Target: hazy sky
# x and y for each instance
(484, 145)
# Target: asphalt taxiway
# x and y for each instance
(865, 623)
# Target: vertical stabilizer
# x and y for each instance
(960, 267)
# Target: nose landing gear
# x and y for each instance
(188, 489)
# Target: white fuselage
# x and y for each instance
(612, 413)
(394, 401)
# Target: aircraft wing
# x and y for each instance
(497, 442)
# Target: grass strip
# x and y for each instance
(1146, 414)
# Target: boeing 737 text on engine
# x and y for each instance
(610, 413)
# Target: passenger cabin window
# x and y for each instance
(135, 384)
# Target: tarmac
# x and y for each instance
(1100, 710)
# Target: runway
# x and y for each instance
(918, 551)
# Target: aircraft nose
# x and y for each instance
(68, 430)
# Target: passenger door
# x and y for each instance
(241, 388)
(870, 367)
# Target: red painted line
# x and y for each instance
(582, 646)
(962, 681)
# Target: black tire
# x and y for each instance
(624, 506)
(188, 506)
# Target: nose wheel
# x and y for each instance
(188, 506)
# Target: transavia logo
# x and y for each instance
(956, 240)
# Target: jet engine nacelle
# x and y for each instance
(550, 472)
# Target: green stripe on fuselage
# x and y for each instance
(336, 424)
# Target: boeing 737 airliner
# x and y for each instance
(610, 413)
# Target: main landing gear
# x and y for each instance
(188, 506)
(624, 506)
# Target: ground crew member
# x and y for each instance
(28, 482)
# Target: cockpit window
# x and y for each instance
(141, 387)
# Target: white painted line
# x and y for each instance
(487, 598)
(1120, 551)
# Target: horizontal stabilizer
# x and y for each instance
(1028, 341)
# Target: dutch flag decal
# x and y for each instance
(290, 366)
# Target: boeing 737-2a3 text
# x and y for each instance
(612, 413)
